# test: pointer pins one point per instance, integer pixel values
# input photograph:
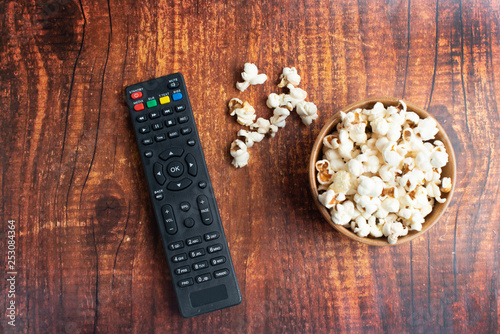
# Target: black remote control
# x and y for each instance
(183, 199)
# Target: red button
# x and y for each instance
(136, 95)
(139, 107)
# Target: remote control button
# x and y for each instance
(167, 111)
(158, 170)
(211, 236)
(179, 185)
(180, 108)
(136, 95)
(173, 84)
(179, 257)
(196, 253)
(182, 270)
(200, 265)
(164, 99)
(176, 96)
(202, 184)
(159, 196)
(189, 222)
(157, 126)
(139, 107)
(185, 206)
(173, 134)
(191, 142)
(147, 141)
(191, 163)
(185, 282)
(221, 273)
(176, 245)
(203, 278)
(154, 114)
(144, 129)
(171, 152)
(160, 137)
(183, 119)
(148, 154)
(217, 260)
(175, 169)
(151, 103)
(170, 122)
(169, 219)
(193, 241)
(141, 118)
(186, 131)
(214, 248)
(206, 214)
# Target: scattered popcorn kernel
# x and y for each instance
(244, 112)
(250, 77)
(251, 137)
(262, 125)
(307, 111)
(289, 76)
(239, 153)
(279, 117)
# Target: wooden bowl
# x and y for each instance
(449, 171)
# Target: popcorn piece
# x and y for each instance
(251, 137)
(426, 128)
(371, 187)
(296, 95)
(393, 231)
(262, 125)
(250, 77)
(308, 112)
(289, 76)
(341, 182)
(439, 158)
(339, 215)
(244, 112)
(279, 117)
(239, 153)
(446, 185)
(329, 198)
(325, 174)
(363, 228)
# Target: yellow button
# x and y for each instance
(165, 100)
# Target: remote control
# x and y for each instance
(183, 199)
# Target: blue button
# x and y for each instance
(176, 96)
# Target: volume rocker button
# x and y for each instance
(169, 219)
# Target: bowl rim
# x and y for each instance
(317, 148)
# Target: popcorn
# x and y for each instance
(251, 137)
(243, 110)
(382, 182)
(250, 77)
(426, 128)
(446, 185)
(239, 153)
(289, 76)
(329, 198)
(325, 174)
(279, 117)
(262, 125)
(307, 111)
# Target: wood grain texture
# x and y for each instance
(89, 257)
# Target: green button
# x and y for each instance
(151, 103)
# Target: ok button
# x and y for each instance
(175, 169)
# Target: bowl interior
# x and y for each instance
(447, 171)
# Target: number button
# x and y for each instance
(176, 245)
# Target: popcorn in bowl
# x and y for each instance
(380, 172)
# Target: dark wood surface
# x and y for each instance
(88, 255)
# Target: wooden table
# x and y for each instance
(88, 255)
